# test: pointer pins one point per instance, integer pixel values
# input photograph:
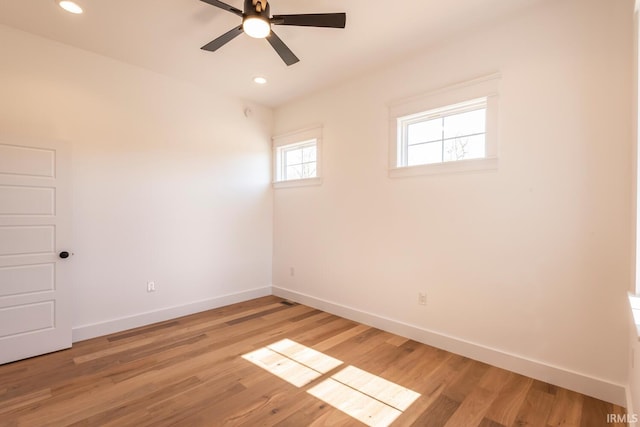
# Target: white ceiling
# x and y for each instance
(166, 35)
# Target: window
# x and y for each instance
(297, 158)
(449, 130)
(297, 161)
(448, 134)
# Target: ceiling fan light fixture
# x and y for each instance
(70, 6)
(256, 27)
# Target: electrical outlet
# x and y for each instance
(292, 271)
(151, 286)
(422, 298)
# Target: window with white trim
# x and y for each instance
(297, 157)
(449, 130)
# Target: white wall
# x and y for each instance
(532, 260)
(170, 183)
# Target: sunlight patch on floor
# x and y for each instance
(306, 356)
(383, 390)
(364, 396)
(358, 405)
(368, 398)
(293, 362)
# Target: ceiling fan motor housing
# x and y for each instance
(257, 8)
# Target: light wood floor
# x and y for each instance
(189, 372)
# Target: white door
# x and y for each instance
(35, 300)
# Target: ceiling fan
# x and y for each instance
(256, 23)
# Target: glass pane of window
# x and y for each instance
(294, 172)
(430, 130)
(296, 161)
(293, 157)
(309, 170)
(466, 147)
(424, 154)
(309, 154)
(468, 123)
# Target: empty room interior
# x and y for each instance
(407, 213)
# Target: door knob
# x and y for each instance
(63, 254)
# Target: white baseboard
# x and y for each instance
(84, 332)
(582, 383)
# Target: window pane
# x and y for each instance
(430, 130)
(468, 123)
(467, 147)
(294, 172)
(424, 154)
(309, 154)
(293, 157)
(309, 170)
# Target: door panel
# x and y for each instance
(23, 240)
(26, 279)
(29, 161)
(35, 312)
(34, 317)
(27, 200)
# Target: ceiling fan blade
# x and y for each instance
(285, 53)
(224, 6)
(223, 39)
(331, 20)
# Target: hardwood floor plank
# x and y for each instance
(120, 414)
(544, 387)
(233, 409)
(440, 370)
(301, 415)
(190, 372)
(566, 409)
(8, 405)
(618, 411)
(341, 337)
(486, 422)
(535, 409)
(333, 418)
(594, 412)
(142, 331)
(257, 315)
(466, 381)
(438, 414)
(397, 340)
(473, 408)
(504, 409)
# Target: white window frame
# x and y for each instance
(296, 139)
(443, 102)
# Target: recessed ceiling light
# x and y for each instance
(260, 80)
(69, 6)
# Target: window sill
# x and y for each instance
(297, 183)
(634, 302)
(459, 166)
